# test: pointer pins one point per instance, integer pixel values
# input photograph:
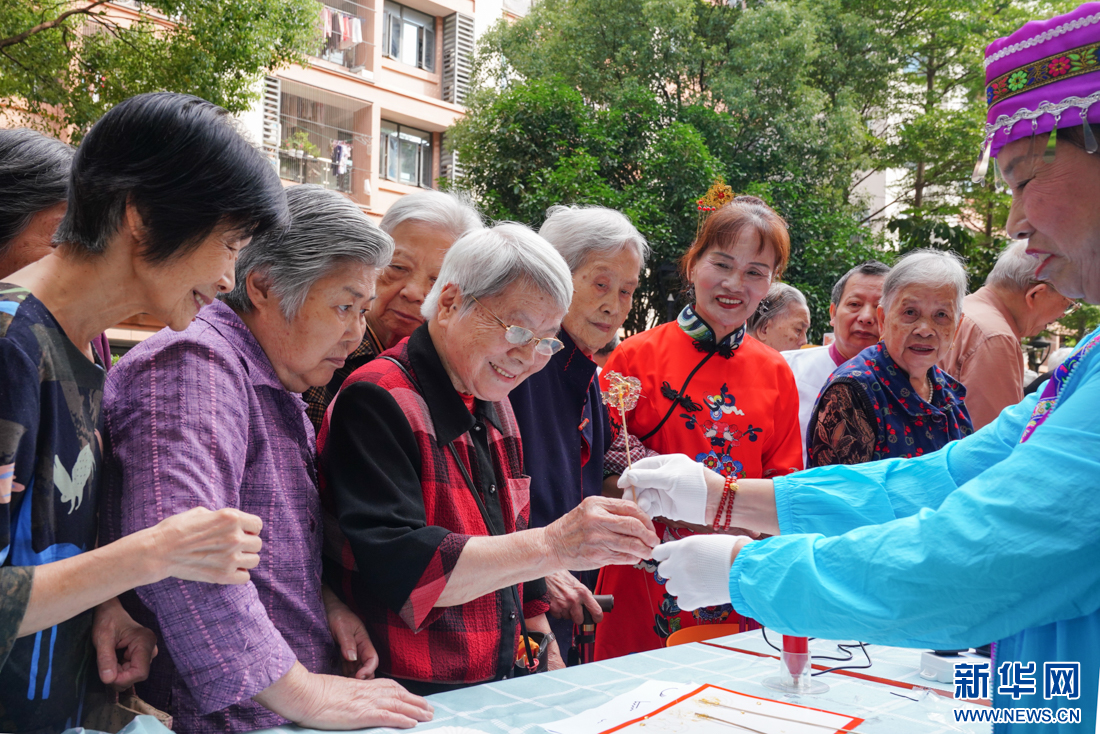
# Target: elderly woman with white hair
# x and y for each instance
(424, 463)
(782, 320)
(560, 411)
(212, 416)
(423, 226)
(891, 399)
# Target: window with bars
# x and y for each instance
(317, 136)
(406, 155)
(408, 36)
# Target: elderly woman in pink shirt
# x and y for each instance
(213, 416)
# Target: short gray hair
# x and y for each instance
(580, 231)
(451, 212)
(486, 261)
(326, 231)
(927, 267)
(1014, 269)
(34, 175)
(779, 299)
(870, 267)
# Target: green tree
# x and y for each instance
(65, 63)
(937, 106)
(530, 146)
(638, 104)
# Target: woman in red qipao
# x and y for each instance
(709, 391)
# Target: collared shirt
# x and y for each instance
(319, 398)
(869, 411)
(402, 513)
(812, 368)
(50, 464)
(200, 418)
(986, 357)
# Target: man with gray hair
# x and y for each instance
(853, 316)
(782, 320)
(986, 356)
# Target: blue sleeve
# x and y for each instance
(1015, 546)
(832, 500)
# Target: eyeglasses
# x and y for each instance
(521, 337)
(1073, 306)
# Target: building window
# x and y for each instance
(406, 155)
(321, 136)
(408, 36)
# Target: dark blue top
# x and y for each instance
(50, 458)
(901, 423)
(565, 431)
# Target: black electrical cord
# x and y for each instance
(845, 647)
(848, 649)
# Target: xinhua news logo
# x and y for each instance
(1018, 680)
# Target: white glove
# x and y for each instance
(697, 569)
(671, 486)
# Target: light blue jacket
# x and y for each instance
(987, 539)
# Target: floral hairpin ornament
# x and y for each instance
(623, 393)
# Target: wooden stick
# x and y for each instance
(772, 716)
(626, 433)
(723, 721)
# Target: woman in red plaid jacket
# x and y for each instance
(423, 475)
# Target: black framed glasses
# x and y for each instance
(521, 337)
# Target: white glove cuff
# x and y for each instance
(691, 497)
(713, 566)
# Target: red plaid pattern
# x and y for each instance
(458, 644)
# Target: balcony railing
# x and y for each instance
(355, 58)
(295, 165)
(346, 32)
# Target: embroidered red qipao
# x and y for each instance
(737, 414)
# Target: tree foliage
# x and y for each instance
(938, 109)
(66, 63)
(637, 103)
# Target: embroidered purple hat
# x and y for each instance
(1044, 76)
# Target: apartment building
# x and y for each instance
(367, 116)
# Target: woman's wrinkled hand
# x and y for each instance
(601, 532)
(113, 629)
(569, 598)
(331, 702)
(216, 547)
(357, 652)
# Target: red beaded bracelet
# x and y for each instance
(723, 518)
